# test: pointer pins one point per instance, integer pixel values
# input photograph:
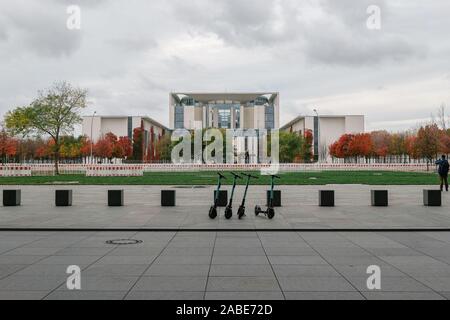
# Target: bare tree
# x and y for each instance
(442, 119)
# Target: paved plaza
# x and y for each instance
(218, 263)
(299, 209)
(225, 265)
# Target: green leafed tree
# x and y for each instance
(54, 113)
(291, 145)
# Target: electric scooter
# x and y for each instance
(241, 210)
(213, 209)
(270, 212)
(229, 208)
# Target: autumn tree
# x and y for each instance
(86, 146)
(340, 149)
(164, 147)
(122, 148)
(380, 143)
(427, 142)
(54, 113)
(103, 148)
(360, 145)
(138, 140)
(8, 146)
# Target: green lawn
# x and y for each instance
(210, 178)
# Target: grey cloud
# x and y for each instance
(152, 85)
(41, 30)
(133, 43)
(353, 50)
(337, 36)
(81, 3)
(241, 23)
(129, 53)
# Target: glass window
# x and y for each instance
(225, 118)
(179, 117)
(270, 117)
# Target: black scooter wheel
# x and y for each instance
(228, 212)
(257, 210)
(241, 212)
(270, 213)
(212, 212)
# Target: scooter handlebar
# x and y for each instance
(249, 175)
(221, 176)
(236, 175)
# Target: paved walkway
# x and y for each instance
(225, 265)
(300, 210)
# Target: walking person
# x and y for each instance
(247, 157)
(443, 172)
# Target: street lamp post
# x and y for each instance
(92, 122)
(318, 135)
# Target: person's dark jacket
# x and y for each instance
(443, 167)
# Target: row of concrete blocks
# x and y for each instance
(63, 198)
(379, 198)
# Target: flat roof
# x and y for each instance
(296, 119)
(233, 96)
(124, 116)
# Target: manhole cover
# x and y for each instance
(123, 241)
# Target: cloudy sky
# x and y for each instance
(319, 54)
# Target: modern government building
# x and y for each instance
(247, 111)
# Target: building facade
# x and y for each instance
(326, 129)
(251, 112)
(95, 127)
(247, 111)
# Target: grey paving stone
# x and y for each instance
(247, 260)
(105, 283)
(315, 284)
(127, 251)
(355, 260)
(79, 251)
(4, 259)
(166, 283)
(43, 270)
(86, 295)
(445, 294)
(396, 284)
(238, 251)
(299, 210)
(22, 295)
(323, 296)
(290, 251)
(194, 251)
(240, 267)
(146, 260)
(435, 282)
(356, 270)
(165, 295)
(178, 259)
(373, 295)
(297, 270)
(114, 270)
(240, 270)
(69, 260)
(267, 295)
(32, 251)
(301, 260)
(8, 269)
(221, 284)
(30, 283)
(178, 270)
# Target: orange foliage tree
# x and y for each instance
(8, 146)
